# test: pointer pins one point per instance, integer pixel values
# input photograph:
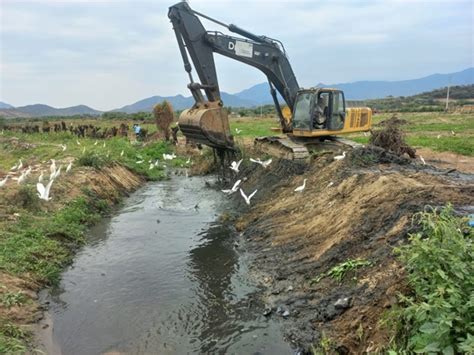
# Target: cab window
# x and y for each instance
(301, 118)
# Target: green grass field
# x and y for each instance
(422, 130)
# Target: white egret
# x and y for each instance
(247, 198)
(238, 131)
(422, 160)
(40, 178)
(69, 167)
(21, 178)
(340, 157)
(302, 187)
(43, 192)
(235, 165)
(233, 189)
(4, 181)
(265, 163)
(28, 171)
(52, 168)
(56, 174)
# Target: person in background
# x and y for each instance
(137, 129)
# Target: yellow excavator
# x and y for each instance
(310, 116)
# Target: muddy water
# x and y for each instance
(161, 276)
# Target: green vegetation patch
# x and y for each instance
(339, 271)
(438, 317)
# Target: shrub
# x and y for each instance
(26, 197)
(439, 315)
(93, 160)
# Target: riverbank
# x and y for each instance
(40, 237)
(325, 255)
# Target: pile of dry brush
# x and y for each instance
(391, 138)
(164, 117)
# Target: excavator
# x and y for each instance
(311, 116)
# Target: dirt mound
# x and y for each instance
(391, 138)
(346, 212)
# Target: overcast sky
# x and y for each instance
(107, 54)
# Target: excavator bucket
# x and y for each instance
(207, 125)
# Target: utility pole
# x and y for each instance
(447, 99)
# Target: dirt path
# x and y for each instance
(447, 160)
(357, 208)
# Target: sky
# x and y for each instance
(107, 54)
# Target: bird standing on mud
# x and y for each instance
(340, 157)
(4, 181)
(302, 187)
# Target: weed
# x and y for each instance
(11, 299)
(11, 338)
(339, 271)
(324, 347)
(26, 198)
(93, 160)
(439, 315)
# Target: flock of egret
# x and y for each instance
(234, 166)
(43, 190)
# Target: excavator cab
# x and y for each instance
(322, 112)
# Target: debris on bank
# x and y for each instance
(340, 231)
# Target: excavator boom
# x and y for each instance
(207, 122)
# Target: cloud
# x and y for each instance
(108, 53)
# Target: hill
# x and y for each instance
(180, 102)
(40, 110)
(362, 90)
(5, 105)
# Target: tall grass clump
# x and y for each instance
(438, 316)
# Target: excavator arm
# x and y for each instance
(207, 122)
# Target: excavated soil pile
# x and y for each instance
(360, 207)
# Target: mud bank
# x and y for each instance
(357, 208)
(19, 309)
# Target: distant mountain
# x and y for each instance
(5, 105)
(180, 102)
(259, 95)
(39, 110)
(361, 90)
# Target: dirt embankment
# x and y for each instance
(359, 207)
(109, 184)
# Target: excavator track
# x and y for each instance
(296, 148)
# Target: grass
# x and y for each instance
(422, 130)
(339, 271)
(438, 316)
(40, 240)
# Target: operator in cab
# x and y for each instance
(320, 112)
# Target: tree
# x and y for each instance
(164, 116)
